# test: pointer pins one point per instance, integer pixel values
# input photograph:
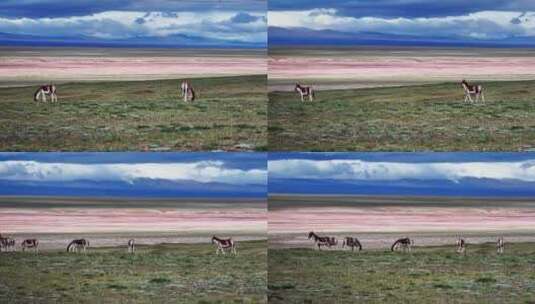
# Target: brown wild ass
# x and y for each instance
(30, 244)
(500, 245)
(78, 245)
(131, 246)
(304, 92)
(224, 245)
(7, 244)
(461, 246)
(322, 240)
(352, 242)
(187, 91)
(405, 244)
(46, 90)
(476, 90)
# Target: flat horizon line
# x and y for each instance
(393, 46)
(161, 198)
(400, 196)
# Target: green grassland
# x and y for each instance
(156, 274)
(422, 117)
(230, 113)
(427, 275)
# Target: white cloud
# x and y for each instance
(125, 24)
(483, 25)
(203, 171)
(388, 171)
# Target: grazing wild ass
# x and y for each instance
(30, 244)
(77, 245)
(476, 90)
(405, 244)
(352, 242)
(187, 91)
(224, 244)
(304, 92)
(461, 245)
(45, 90)
(322, 240)
(500, 245)
(131, 246)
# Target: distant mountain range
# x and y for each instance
(173, 41)
(146, 188)
(303, 36)
(463, 187)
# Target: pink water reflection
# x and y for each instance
(368, 71)
(399, 219)
(125, 68)
(107, 220)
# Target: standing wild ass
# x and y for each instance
(7, 244)
(322, 240)
(45, 90)
(461, 246)
(224, 244)
(30, 244)
(187, 91)
(304, 92)
(500, 245)
(131, 246)
(476, 90)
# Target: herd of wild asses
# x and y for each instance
(186, 91)
(470, 90)
(403, 244)
(7, 244)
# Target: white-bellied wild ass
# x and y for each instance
(3, 243)
(131, 246)
(352, 242)
(224, 245)
(30, 244)
(7, 244)
(187, 91)
(500, 245)
(304, 92)
(405, 244)
(45, 90)
(322, 240)
(77, 245)
(461, 245)
(469, 90)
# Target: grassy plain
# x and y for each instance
(408, 118)
(166, 273)
(427, 275)
(229, 114)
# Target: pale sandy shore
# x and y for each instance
(379, 220)
(383, 241)
(365, 67)
(111, 222)
(27, 66)
(59, 241)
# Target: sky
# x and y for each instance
(134, 174)
(481, 23)
(419, 174)
(130, 23)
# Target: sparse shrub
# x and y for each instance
(160, 281)
(486, 280)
